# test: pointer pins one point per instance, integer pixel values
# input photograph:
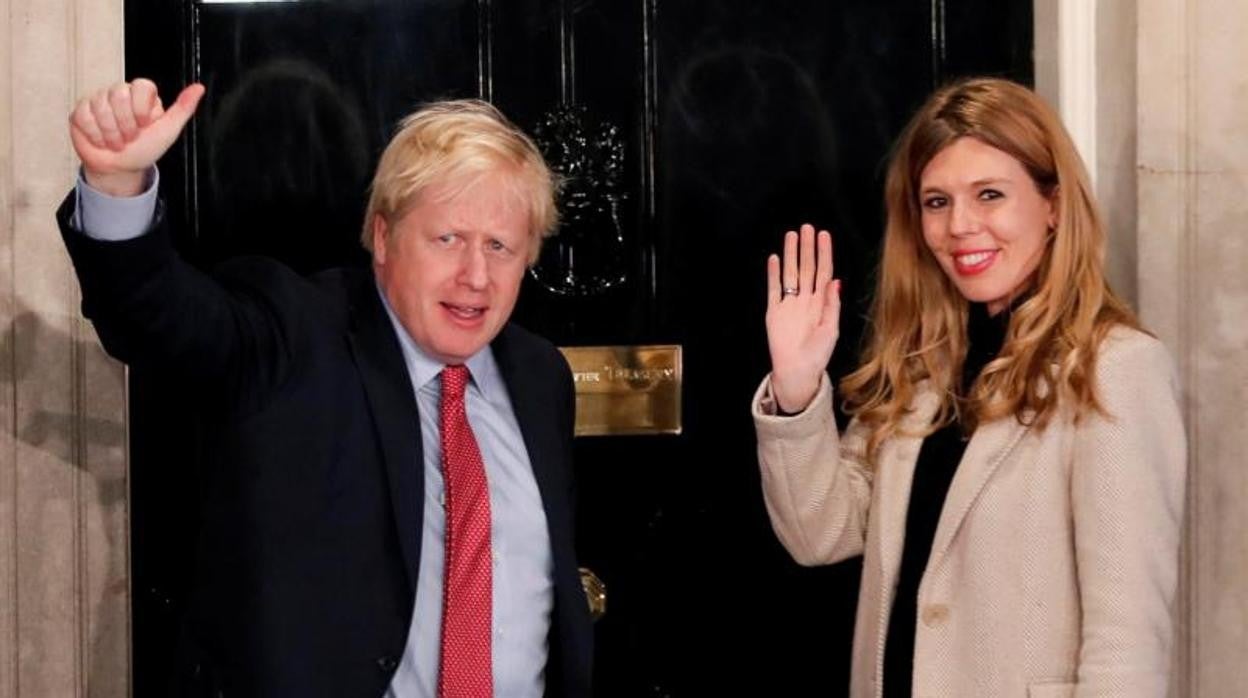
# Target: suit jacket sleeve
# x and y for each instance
(1127, 488)
(816, 485)
(151, 309)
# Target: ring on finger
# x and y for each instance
(789, 291)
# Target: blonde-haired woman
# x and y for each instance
(1014, 470)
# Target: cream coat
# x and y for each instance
(1054, 565)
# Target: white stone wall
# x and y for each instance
(1193, 256)
(64, 583)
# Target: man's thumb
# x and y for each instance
(175, 117)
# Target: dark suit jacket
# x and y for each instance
(306, 570)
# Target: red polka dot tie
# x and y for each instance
(466, 667)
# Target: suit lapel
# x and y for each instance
(389, 390)
(536, 403)
(531, 400)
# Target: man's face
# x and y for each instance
(451, 267)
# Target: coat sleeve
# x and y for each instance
(222, 336)
(1127, 492)
(816, 485)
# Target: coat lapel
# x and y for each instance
(389, 390)
(990, 445)
(900, 455)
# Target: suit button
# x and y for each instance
(935, 615)
(387, 663)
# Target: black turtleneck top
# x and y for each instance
(933, 472)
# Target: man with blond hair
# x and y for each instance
(389, 505)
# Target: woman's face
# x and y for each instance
(984, 220)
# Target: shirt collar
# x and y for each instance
(423, 368)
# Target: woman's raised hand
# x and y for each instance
(803, 316)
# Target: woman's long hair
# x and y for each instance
(918, 318)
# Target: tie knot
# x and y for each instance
(454, 380)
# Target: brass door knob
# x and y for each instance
(595, 593)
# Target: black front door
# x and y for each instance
(693, 134)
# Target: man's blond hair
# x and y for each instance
(451, 144)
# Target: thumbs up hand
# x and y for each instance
(121, 131)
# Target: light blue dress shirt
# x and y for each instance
(523, 579)
(114, 218)
(523, 574)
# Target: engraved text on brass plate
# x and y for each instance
(626, 389)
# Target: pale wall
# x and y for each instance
(1193, 252)
(64, 584)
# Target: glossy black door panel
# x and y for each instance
(692, 134)
(297, 109)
